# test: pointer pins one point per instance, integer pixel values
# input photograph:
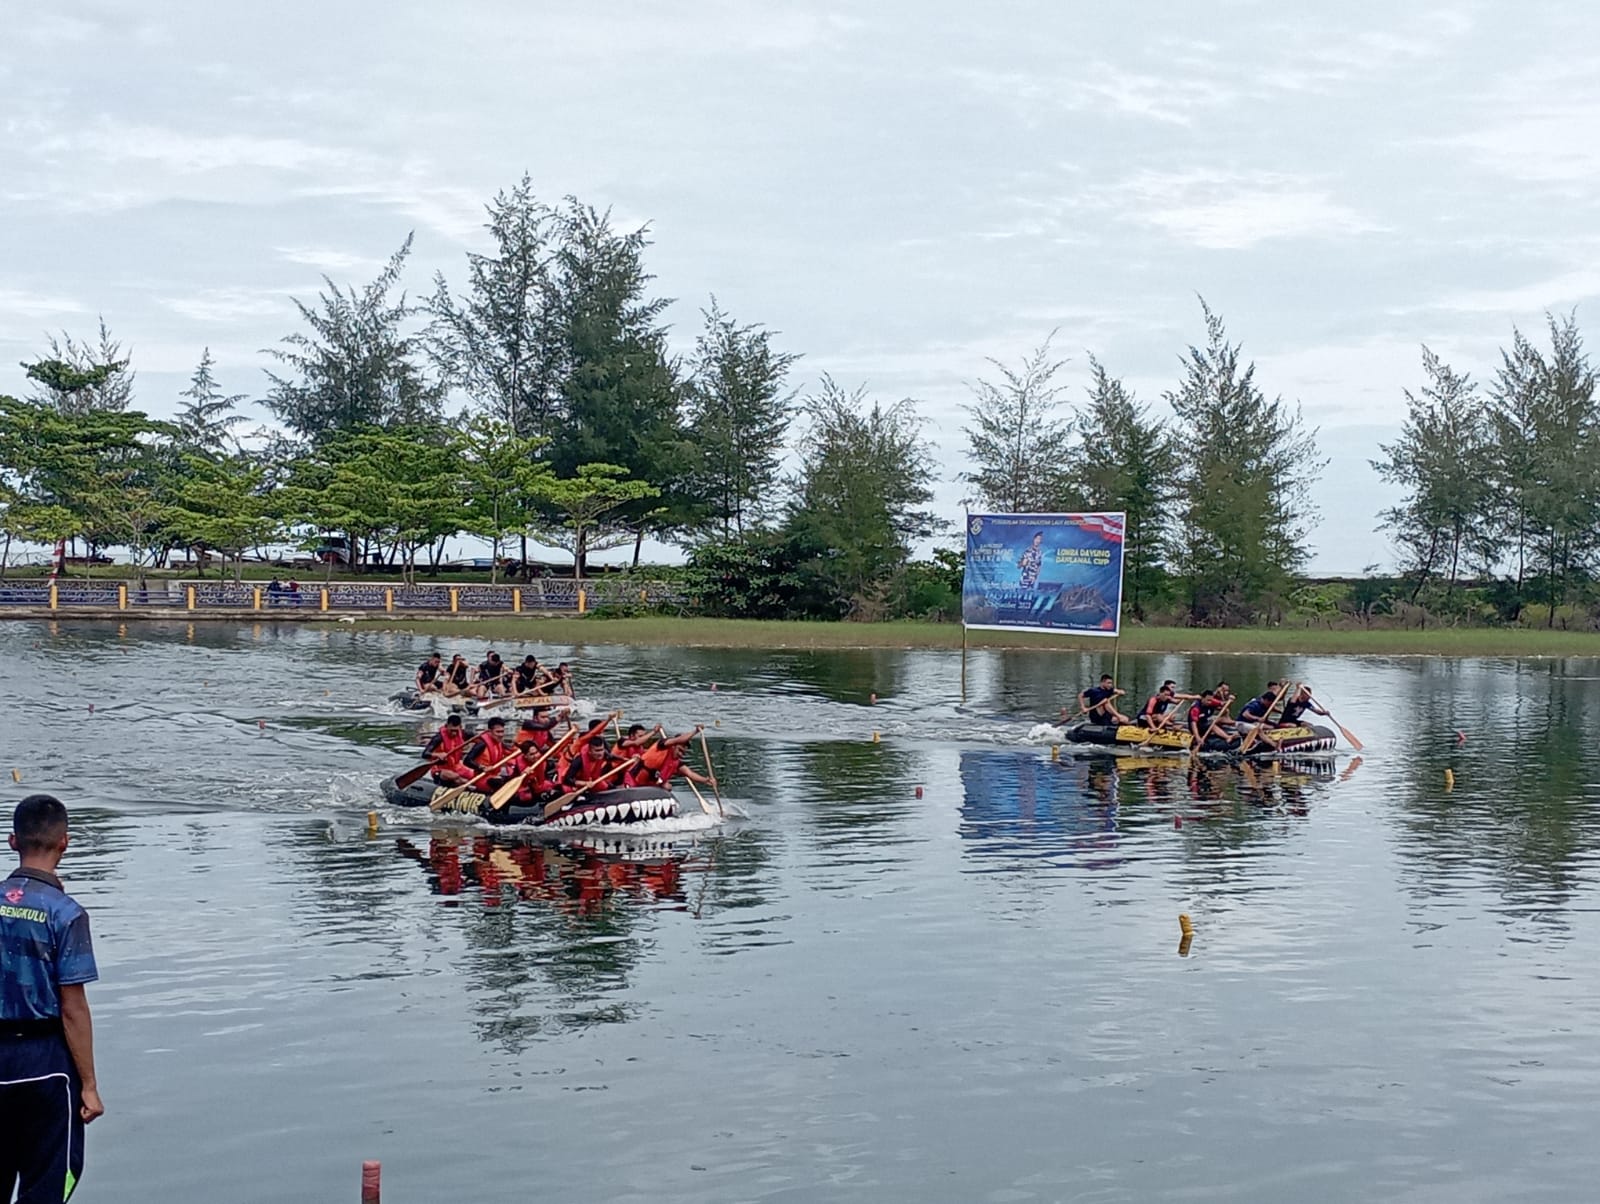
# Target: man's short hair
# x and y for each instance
(1169, 684)
(1105, 677)
(39, 823)
(435, 656)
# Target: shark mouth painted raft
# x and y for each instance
(625, 805)
(1300, 738)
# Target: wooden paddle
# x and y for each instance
(1222, 713)
(705, 751)
(555, 805)
(1254, 733)
(450, 796)
(505, 794)
(1343, 730)
(704, 806)
(412, 776)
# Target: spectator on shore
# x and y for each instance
(48, 1090)
(294, 592)
(274, 592)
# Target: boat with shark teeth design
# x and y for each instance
(623, 805)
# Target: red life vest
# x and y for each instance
(451, 742)
(493, 752)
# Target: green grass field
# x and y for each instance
(738, 633)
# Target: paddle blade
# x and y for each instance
(412, 776)
(507, 792)
(1350, 737)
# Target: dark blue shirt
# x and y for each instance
(44, 946)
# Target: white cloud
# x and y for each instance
(1104, 87)
(183, 152)
(328, 260)
(229, 304)
(1235, 210)
(21, 305)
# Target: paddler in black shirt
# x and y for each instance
(526, 675)
(1261, 705)
(1298, 706)
(1099, 702)
(493, 676)
(1159, 703)
(429, 675)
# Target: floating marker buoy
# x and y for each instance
(1177, 821)
(1055, 752)
(1184, 943)
(1449, 779)
(716, 723)
(872, 698)
(1184, 926)
(874, 737)
(919, 791)
(16, 775)
(261, 725)
(372, 821)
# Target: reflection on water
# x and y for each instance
(940, 966)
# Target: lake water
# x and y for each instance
(852, 993)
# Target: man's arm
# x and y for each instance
(79, 1028)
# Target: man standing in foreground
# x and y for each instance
(47, 1082)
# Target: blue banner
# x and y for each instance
(1044, 572)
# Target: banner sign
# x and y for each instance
(1044, 572)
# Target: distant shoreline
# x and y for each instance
(752, 633)
(778, 635)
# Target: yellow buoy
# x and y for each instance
(1185, 926)
(1184, 943)
(16, 775)
(874, 737)
(372, 821)
(1449, 779)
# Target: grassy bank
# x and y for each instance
(731, 633)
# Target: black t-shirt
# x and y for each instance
(428, 672)
(1095, 695)
(527, 678)
(458, 674)
(490, 671)
(1292, 712)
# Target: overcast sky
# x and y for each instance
(902, 188)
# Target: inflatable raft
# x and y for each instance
(628, 805)
(1300, 738)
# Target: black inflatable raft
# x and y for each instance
(1300, 738)
(628, 805)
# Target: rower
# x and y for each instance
(457, 677)
(540, 725)
(444, 750)
(492, 673)
(539, 782)
(1204, 714)
(593, 758)
(1298, 706)
(663, 761)
(492, 749)
(526, 675)
(1099, 702)
(557, 681)
(429, 675)
(1159, 703)
(1259, 707)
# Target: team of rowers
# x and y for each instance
(491, 677)
(548, 765)
(1209, 724)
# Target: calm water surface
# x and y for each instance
(851, 993)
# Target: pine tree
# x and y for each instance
(1245, 485)
(1127, 461)
(738, 415)
(1022, 450)
(206, 418)
(356, 368)
(80, 378)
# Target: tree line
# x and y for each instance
(1501, 514)
(537, 397)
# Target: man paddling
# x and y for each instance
(492, 673)
(1296, 707)
(1208, 718)
(1159, 703)
(492, 749)
(1259, 707)
(430, 675)
(445, 750)
(1099, 702)
(526, 675)
(663, 761)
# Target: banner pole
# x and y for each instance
(963, 664)
(1116, 655)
